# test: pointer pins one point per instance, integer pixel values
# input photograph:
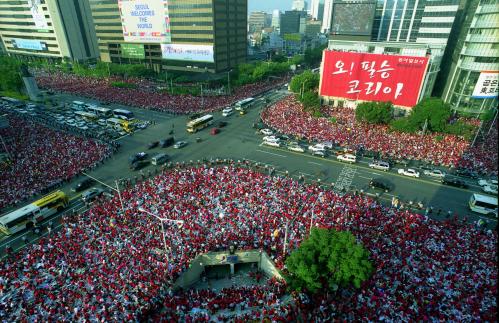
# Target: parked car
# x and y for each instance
(139, 156)
(271, 139)
(153, 144)
(435, 173)
(348, 158)
(180, 144)
(316, 147)
(91, 194)
(378, 183)
(320, 153)
(139, 164)
(491, 189)
(83, 185)
(409, 172)
(266, 132)
(272, 143)
(295, 147)
(465, 173)
(380, 165)
(485, 182)
(454, 181)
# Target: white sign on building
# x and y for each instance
(188, 52)
(37, 13)
(486, 86)
(145, 21)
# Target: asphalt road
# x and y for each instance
(238, 140)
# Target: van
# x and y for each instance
(349, 158)
(159, 159)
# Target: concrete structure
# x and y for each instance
(50, 29)
(312, 28)
(421, 21)
(477, 50)
(299, 5)
(217, 24)
(256, 21)
(317, 9)
(293, 22)
(327, 15)
(276, 20)
(410, 49)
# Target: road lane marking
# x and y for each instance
(364, 177)
(314, 163)
(267, 152)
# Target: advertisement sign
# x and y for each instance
(352, 18)
(486, 86)
(145, 21)
(188, 52)
(32, 44)
(373, 77)
(38, 15)
(132, 51)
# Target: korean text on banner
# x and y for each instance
(486, 86)
(188, 52)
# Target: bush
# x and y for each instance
(402, 125)
(461, 129)
(306, 81)
(434, 111)
(374, 112)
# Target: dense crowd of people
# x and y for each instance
(109, 263)
(146, 94)
(288, 116)
(41, 158)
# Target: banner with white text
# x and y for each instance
(188, 52)
(145, 21)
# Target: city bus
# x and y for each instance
(100, 111)
(78, 105)
(483, 204)
(199, 123)
(86, 115)
(243, 104)
(123, 114)
(34, 213)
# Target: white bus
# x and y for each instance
(483, 204)
(78, 105)
(86, 115)
(243, 104)
(123, 114)
(100, 111)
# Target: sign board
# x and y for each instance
(132, 51)
(38, 15)
(188, 52)
(145, 21)
(486, 86)
(352, 18)
(373, 77)
(32, 44)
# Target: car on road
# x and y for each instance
(83, 185)
(316, 147)
(91, 194)
(153, 144)
(411, 172)
(378, 183)
(320, 153)
(380, 165)
(180, 144)
(348, 158)
(271, 139)
(326, 145)
(166, 142)
(465, 173)
(139, 164)
(227, 111)
(485, 182)
(266, 132)
(272, 143)
(214, 131)
(454, 181)
(222, 124)
(434, 173)
(295, 147)
(491, 189)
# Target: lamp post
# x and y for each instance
(116, 189)
(228, 81)
(162, 220)
(313, 214)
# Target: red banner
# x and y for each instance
(373, 77)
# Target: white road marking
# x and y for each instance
(314, 163)
(364, 177)
(266, 152)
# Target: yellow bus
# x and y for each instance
(199, 123)
(34, 213)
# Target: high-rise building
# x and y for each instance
(327, 15)
(421, 21)
(472, 83)
(293, 22)
(299, 5)
(276, 19)
(183, 35)
(317, 9)
(256, 21)
(50, 29)
(349, 20)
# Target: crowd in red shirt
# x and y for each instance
(108, 265)
(146, 95)
(288, 116)
(42, 158)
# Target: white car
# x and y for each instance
(491, 189)
(296, 148)
(267, 132)
(271, 139)
(348, 158)
(380, 165)
(316, 147)
(435, 173)
(326, 145)
(485, 182)
(227, 111)
(409, 172)
(272, 143)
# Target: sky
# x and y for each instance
(269, 5)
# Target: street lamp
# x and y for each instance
(162, 220)
(116, 189)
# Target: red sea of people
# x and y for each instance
(108, 265)
(287, 116)
(42, 158)
(146, 95)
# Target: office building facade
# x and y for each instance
(276, 20)
(293, 22)
(256, 21)
(48, 29)
(201, 36)
(299, 5)
(317, 9)
(472, 81)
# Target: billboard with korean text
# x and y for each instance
(486, 87)
(188, 52)
(373, 77)
(30, 44)
(145, 21)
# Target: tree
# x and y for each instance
(306, 81)
(432, 111)
(328, 259)
(374, 112)
(310, 101)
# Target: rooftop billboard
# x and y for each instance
(352, 18)
(145, 21)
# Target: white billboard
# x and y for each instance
(486, 86)
(145, 21)
(188, 52)
(37, 13)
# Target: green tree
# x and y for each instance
(313, 56)
(328, 259)
(310, 101)
(306, 81)
(374, 112)
(435, 110)
(9, 70)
